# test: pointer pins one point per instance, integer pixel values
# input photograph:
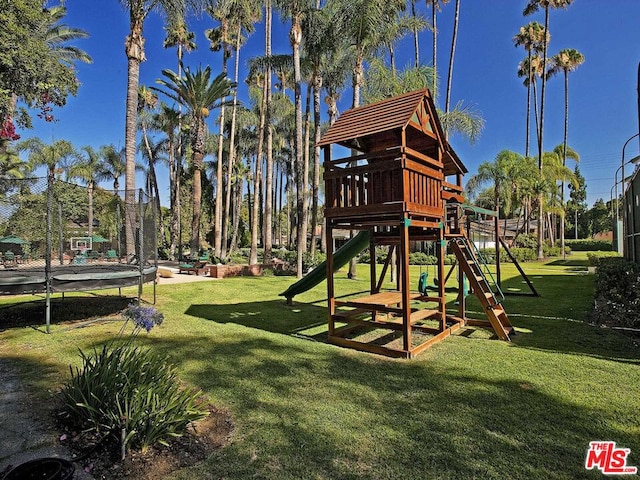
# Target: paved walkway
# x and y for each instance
(22, 437)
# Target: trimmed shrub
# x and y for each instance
(589, 245)
(594, 257)
(617, 293)
(526, 240)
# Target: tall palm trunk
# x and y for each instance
(317, 88)
(90, 186)
(268, 181)
(253, 252)
(529, 80)
(198, 156)
(357, 79)
(175, 179)
(305, 168)
(174, 199)
(134, 47)
(217, 239)
(416, 42)
(232, 137)
(452, 55)
(153, 186)
(295, 36)
(236, 211)
(540, 136)
(564, 156)
(434, 16)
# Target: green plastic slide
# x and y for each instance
(340, 258)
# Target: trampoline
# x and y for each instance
(74, 278)
(55, 239)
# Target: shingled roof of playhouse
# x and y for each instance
(380, 125)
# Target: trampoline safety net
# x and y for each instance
(96, 238)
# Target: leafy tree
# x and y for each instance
(35, 64)
(577, 206)
(599, 218)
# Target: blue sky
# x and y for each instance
(603, 95)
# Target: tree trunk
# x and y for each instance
(526, 145)
(268, 181)
(295, 36)
(451, 57)
(232, 137)
(540, 137)
(198, 155)
(131, 121)
(564, 156)
(435, 47)
(317, 87)
(253, 252)
(416, 42)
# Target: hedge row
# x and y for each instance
(589, 245)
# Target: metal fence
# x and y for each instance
(631, 219)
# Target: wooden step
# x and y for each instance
(422, 314)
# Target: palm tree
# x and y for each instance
(268, 104)
(55, 157)
(531, 37)
(112, 166)
(58, 34)
(134, 49)
(500, 174)
(531, 7)
(295, 10)
(87, 170)
(169, 121)
(220, 38)
(567, 60)
(199, 94)
(242, 17)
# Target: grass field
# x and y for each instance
(470, 407)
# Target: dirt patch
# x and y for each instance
(104, 463)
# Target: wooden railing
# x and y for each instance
(393, 181)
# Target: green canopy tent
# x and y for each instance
(99, 239)
(9, 240)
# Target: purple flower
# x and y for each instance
(143, 317)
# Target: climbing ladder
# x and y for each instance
(471, 267)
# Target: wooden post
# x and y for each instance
(406, 301)
(441, 250)
(330, 287)
(372, 264)
(497, 241)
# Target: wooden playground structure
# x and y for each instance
(402, 183)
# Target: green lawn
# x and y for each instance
(470, 407)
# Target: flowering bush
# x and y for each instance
(131, 394)
(143, 317)
(8, 130)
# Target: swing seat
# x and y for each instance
(422, 283)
